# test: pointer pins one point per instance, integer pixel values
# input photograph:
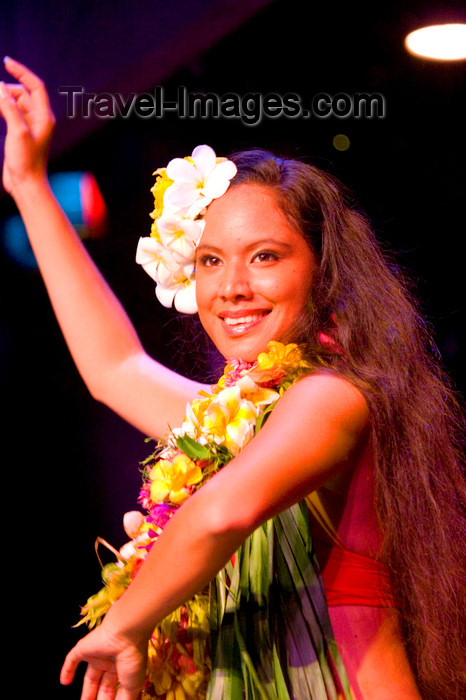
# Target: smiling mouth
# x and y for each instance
(243, 324)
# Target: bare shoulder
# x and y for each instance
(318, 428)
(327, 397)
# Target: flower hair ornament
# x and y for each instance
(182, 192)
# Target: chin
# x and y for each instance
(243, 349)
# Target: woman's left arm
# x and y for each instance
(317, 430)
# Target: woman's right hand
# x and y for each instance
(101, 338)
(116, 666)
(30, 122)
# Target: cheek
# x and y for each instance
(303, 288)
(205, 297)
(203, 290)
(295, 288)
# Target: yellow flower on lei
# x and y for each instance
(170, 479)
(228, 415)
(230, 419)
(258, 395)
(279, 355)
(278, 361)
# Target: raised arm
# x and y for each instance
(276, 469)
(101, 338)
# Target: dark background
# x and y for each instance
(70, 465)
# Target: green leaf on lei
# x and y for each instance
(192, 448)
(262, 417)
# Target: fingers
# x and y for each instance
(69, 668)
(97, 664)
(32, 93)
(26, 77)
(16, 90)
(100, 680)
(114, 670)
(9, 107)
(98, 685)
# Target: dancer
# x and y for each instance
(334, 401)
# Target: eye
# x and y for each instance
(209, 261)
(265, 256)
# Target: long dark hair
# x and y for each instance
(360, 298)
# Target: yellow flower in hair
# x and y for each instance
(154, 232)
(162, 181)
(182, 192)
(170, 479)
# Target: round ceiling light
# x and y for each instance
(444, 42)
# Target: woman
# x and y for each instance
(282, 256)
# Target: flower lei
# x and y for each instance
(182, 192)
(217, 426)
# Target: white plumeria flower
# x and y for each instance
(185, 429)
(170, 260)
(258, 395)
(240, 432)
(185, 298)
(204, 177)
(191, 431)
(168, 276)
(174, 280)
(232, 416)
(196, 209)
(190, 425)
(181, 236)
(152, 255)
(179, 290)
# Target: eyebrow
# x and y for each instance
(254, 244)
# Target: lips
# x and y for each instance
(239, 322)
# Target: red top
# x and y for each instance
(354, 579)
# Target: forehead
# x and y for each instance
(246, 211)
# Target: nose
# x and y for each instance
(235, 283)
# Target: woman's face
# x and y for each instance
(253, 272)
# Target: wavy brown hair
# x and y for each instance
(360, 297)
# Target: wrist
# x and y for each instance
(124, 625)
(27, 187)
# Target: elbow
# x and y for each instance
(226, 520)
(106, 384)
(103, 390)
(96, 387)
(97, 390)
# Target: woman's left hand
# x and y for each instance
(116, 666)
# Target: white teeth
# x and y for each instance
(237, 321)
